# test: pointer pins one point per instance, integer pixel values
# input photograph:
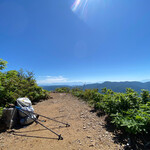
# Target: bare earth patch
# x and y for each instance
(86, 131)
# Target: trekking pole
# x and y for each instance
(67, 125)
(59, 135)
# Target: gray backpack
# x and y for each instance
(26, 106)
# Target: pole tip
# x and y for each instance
(60, 137)
(67, 125)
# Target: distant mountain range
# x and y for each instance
(115, 86)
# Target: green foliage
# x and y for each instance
(104, 90)
(15, 84)
(128, 111)
(145, 96)
(3, 64)
(62, 90)
(1, 111)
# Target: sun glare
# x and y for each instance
(75, 5)
(80, 6)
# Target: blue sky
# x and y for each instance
(77, 40)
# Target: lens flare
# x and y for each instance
(75, 5)
(79, 7)
(84, 6)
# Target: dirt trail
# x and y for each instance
(86, 131)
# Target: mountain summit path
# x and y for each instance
(86, 131)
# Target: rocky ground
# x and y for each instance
(87, 130)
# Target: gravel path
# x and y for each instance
(85, 133)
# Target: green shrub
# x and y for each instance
(128, 111)
(15, 84)
(1, 111)
(62, 90)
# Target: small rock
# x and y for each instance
(84, 127)
(79, 142)
(89, 124)
(100, 124)
(61, 110)
(82, 116)
(91, 145)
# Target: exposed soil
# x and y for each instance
(87, 130)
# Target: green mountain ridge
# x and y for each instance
(115, 86)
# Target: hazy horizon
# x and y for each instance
(85, 83)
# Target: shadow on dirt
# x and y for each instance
(2, 126)
(39, 137)
(2, 130)
(22, 133)
(39, 130)
(128, 141)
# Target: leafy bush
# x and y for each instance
(128, 111)
(15, 84)
(62, 90)
(1, 110)
(3, 64)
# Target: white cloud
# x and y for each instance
(43, 80)
(59, 80)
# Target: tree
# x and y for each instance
(104, 90)
(3, 64)
(145, 96)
